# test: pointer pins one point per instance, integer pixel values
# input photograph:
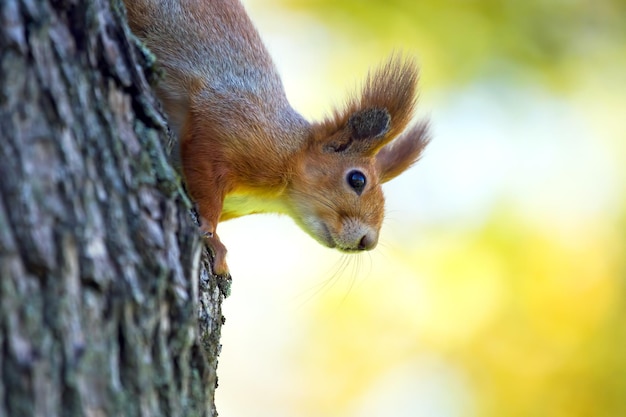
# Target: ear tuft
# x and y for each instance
(370, 124)
(373, 118)
(403, 152)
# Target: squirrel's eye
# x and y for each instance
(357, 181)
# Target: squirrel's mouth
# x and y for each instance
(327, 237)
(357, 238)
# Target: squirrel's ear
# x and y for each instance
(364, 132)
(378, 114)
(369, 124)
(399, 155)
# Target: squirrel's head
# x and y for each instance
(335, 192)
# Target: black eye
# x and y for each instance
(357, 181)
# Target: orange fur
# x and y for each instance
(245, 150)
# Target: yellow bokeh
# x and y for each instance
(533, 322)
(499, 288)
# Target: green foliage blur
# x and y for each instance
(553, 40)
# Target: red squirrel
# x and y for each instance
(245, 150)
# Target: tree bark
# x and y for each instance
(107, 303)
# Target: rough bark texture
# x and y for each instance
(107, 303)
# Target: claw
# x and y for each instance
(218, 250)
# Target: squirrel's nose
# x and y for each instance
(367, 242)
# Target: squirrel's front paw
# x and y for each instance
(219, 254)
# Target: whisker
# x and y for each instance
(326, 202)
(383, 249)
(356, 266)
(326, 284)
(371, 266)
(390, 216)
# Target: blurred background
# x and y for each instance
(498, 287)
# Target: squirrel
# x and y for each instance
(245, 150)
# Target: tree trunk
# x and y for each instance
(107, 303)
